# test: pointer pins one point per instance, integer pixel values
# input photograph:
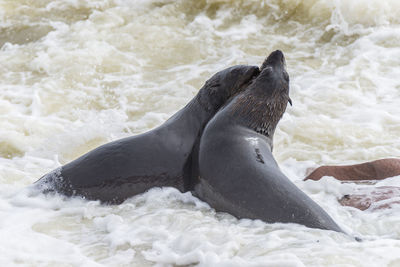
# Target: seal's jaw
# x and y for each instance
(236, 79)
(224, 85)
(241, 77)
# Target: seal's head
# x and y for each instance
(263, 103)
(273, 78)
(225, 84)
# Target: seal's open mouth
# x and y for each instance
(253, 76)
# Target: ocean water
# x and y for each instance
(76, 74)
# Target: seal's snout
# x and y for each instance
(276, 58)
(276, 55)
(273, 76)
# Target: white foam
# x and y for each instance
(88, 72)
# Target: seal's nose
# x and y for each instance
(276, 58)
(278, 55)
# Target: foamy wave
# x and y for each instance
(76, 74)
(341, 14)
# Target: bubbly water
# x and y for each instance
(76, 74)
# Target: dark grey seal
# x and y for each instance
(238, 173)
(161, 157)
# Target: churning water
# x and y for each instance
(75, 74)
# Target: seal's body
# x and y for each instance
(162, 157)
(237, 171)
(373, 170)
(370, 199)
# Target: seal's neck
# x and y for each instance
(195, 115)
(206, 102)
(259, 111)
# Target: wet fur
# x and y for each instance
(237, 171)
(163, 156)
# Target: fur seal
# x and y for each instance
(366, 198)
(373, 170)
(372, 199)
(237, 171)
(118, 170)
